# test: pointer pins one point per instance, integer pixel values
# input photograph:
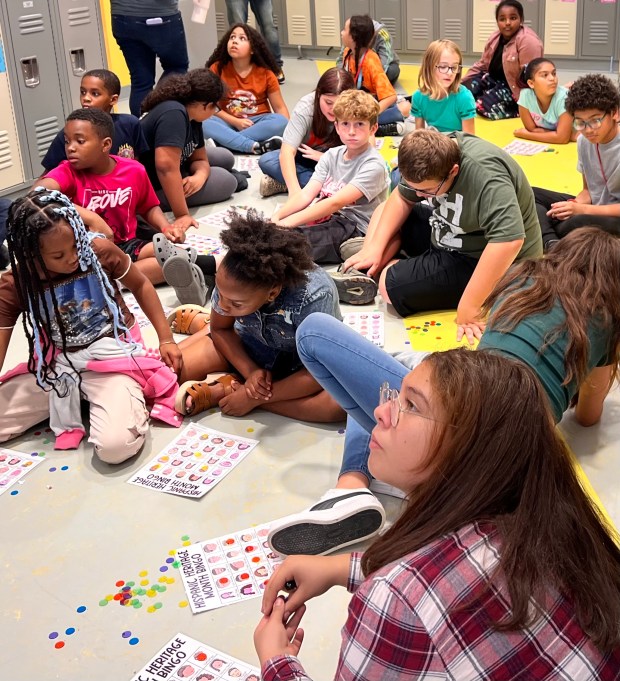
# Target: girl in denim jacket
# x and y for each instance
(266, 285)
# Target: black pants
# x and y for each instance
(325, 238)
(553, 229)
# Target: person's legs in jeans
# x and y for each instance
(269, 163)
(237, 11)
(391, 115)
(170, 45)
(265, 126)
(227, 136)
(263, 11)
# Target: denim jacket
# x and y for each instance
(268, 335)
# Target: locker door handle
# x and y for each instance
(78, 61)
(30, 71)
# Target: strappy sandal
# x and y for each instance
(181, 318)
(165, 249)
(200, 392)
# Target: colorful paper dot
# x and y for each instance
(126, 634)
(143, 573)
(172, 552)
(183, 604)
(120, 583)
(162, 579)
(126, 588)
(109, 597)
(150, 609)
(144, 582)
(103, 602)
(163, 568)
(250, 430)
(186, 543)
(69, 631)
(53, 635)
(133, 641)
(41, 453)
(130, 584)
(162, 588)
(158, 605)
(151, 592)
(137, 605)
(59, 644)
(169, 560)
(52, 469)
(176, 564)
(185, 537)
(81, 608)
(14, 492)
(64, 468)
(170, 580)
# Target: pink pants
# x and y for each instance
(118, 415)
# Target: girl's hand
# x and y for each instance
(309, 152)
(258, 385)
(171, 356)
(191, 184)
(243, 123)
(278, 635)
(520, 132)
(562, 210)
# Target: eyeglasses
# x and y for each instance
(445, 68)
(214, 106)
(593, 123)
(391, 395)
(424, 192)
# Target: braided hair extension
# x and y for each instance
(29, 219)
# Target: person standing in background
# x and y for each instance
(146, 30)
(237, 12)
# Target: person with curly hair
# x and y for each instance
(252, 114)
(594, 104)
(266, 285)
(183, 173)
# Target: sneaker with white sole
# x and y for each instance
(351, 247)
(271, 144)
(340, 518)
(390, 129)
(354, 287)
(269, 186)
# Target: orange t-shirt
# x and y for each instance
(374, 79)
(246, 97)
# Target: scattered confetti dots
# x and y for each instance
(150, 609)
(143, 573)
(163, 568)
(176, 564)
(162, 589)
(133, 641)
(407, 342)
(41, 453)
(120, 583)
(126, 588)
(53, 635)
(169, 560)
(162, 579)
(185, 537)
(144, 582)
(250, 430)
(52, 469)
(64, 468)
(103, 601)
(186, 543)
(158, 605)
(126, 634)
(183, 604)
(130, 584)
(117, 597)
(172, 552)
(81, 608)
(69, 631)
(14, 492)
(137, 605)
(151, 592)
(59, 644)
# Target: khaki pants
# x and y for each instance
(118, 415)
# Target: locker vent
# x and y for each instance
(420, 29)
(599, 33)
(31, 23)
(298, 26)
(453, 30)
(78, 16)
(6, 160)
(221, 23)
(485, 28)
(327, 27)
(390, 24)
(560, 32)
(46, 130)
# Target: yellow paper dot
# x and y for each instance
(250, 430)
(198, 455)
(144, 582)
(183, 604)
(172, 552)
(170, 580)
(187, 543)
(151, 609)
(109, 597)
(143, 573)
(151, 592)
(162, 580)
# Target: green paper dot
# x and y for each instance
(103, 602)
(162, 588)
(41, 453)
(175, 564)
(130, 584)
(157, 606)
(185, 537)
(137, 605)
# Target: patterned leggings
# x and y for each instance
(494, 99)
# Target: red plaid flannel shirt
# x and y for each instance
(429, 616)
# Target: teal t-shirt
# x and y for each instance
(445, 114)
(525, 340)
(557, 107)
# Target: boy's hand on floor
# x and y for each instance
(469, 324)
(184, 223)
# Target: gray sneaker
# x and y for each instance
(351, 247)
(269, 186)
(354, 287)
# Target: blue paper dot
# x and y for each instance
(133, 641)
(69, 631)
(14, 492)
(81, 608)
(65, 468)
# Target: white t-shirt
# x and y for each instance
(549, 119)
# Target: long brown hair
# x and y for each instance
(362, 30)
(261, 54)
(582, 274)
(502, 462)
(332, 82)
(428, 83)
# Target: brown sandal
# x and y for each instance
(200, 392)
(183, 316)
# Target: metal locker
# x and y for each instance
(221, 18)
(420, 23)
(298, 25)
(351, 7)
(454, 22)
(37, 93)
(483, 24)
(11, 170)
(82, 42)
(598, 28)
(327, 22)
(560, 28)
(531, 11)
(388, 12)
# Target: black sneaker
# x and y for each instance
(271, 144)
(390, 129)
(281, 77)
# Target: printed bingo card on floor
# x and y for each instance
(185, 658)
(14, 465)
(194, 462)
(227, 569)
(371, 325)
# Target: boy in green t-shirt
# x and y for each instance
(462, 213)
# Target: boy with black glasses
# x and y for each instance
(593, 102)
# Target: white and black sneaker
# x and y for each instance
(342, 517)
(355, 287)
(271, 144)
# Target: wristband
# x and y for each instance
(170, 342)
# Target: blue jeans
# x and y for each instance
(269, 163)
(352, 370)
(237, 11)
(142, 43)
(264, 126)
(391, 115)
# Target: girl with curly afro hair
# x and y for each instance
(266, 285)
(253, 113)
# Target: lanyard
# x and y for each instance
(358, 75)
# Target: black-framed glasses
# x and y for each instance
(424, 192)
(392, 396)
(446, 68)
(593, 123)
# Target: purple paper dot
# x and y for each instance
(126, 634)
(69, 631)
(170, 560)
(53, 635)
(52, 469)
(81, 608)
(133, 641)
(163, 568)
(407, 342)
(341, 431)
(126, 588)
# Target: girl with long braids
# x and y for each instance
(81, 337)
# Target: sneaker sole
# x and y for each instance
(318, 538)
(356, 290)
